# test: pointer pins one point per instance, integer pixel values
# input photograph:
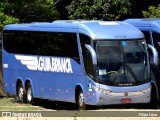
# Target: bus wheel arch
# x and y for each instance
(20, 91)
(79, 97)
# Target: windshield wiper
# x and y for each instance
(114, 79)
(130, 71)
(105, 82)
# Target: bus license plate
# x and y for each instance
(126, 100)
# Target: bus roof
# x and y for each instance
(95, 29)
(145, 22)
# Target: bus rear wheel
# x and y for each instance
(80, 101)
(29, 94)
(21, 93)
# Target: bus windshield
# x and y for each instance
(122, 63)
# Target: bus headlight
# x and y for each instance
(146, 90)
(95, 88)
(104, 91)
(132, 93)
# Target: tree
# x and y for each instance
(15, 11)
(99, 9)
(5, 15)
(137, 6)
(154, 12)
(35, 10)
(60, 6)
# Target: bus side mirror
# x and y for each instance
(158, 43)
(154, 53)
(93, 54)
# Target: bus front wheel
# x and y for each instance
(29, 94)
(21, 93)
(154, 100)
(80, 101)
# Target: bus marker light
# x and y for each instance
(5, 65)
(87, 94)
(49, 89)
(126, 100)
(6, 85)
(90, 89)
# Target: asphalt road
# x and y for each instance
(67, 111)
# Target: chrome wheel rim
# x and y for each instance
(81, 100)
(29, 94)
(20, 93)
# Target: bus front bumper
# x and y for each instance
(112, 98)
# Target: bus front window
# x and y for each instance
(122, 62)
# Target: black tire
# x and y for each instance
(29, 94)
(154, 101)
(154, 93)
(80, 101)
(20, 93)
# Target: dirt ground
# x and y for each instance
(60, 111)
(2, 94)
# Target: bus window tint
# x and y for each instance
(42, 43)
(87, 59)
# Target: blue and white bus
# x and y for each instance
(84, 62)
(150, 27)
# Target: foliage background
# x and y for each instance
(25, 11)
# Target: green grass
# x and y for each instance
(26, 108)
(8, 104)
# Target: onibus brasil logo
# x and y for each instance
(52, 64)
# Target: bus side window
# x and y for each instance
(88, 63)
(87, 59)
(42, 43)
(8, 41)
(66, 45)
(71, 46)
